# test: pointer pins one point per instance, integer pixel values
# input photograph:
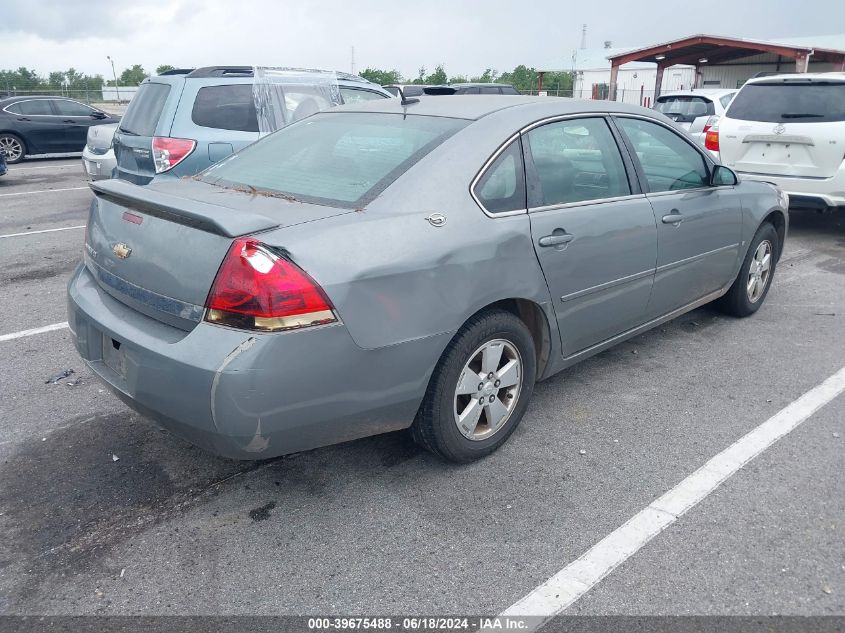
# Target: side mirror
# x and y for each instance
(99, 115)
(723, 176)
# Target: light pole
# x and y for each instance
(114, 74)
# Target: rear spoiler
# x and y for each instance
(204, 216)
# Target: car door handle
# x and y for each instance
(673, 217)
(23, 118)
(68, 121)
(556, 239)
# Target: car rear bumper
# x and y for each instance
(98, 166)
(810, 192)
(248, 395)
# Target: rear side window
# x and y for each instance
(227, 107)
(72, 108)
(576, 161)
(343, 159)
(684, 108)
(786, 102)
(491, 90)
(726, 100)
(34, 107)
(502, 186)
(142, 115)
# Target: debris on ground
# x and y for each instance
(824, 313)
(74, 383)
(633, 351)
(259, 514)
(827, 589)
(122, 572)
(582, 452)
(52, 380)
(114, 457)
(836, 435)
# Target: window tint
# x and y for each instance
(502, 187)
(490, 90)
(815, 102)
(344, 159)
(510, 90)
(669, 162)
(356, 95)
(72, 108)
(575, 161)
(412, 91)
(144, 110)
(726, 100)
(471, 90)
(36, 106)
(227, 107)
(684, 108)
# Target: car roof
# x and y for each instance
(16, 98)
(474, 107)
(700, 92)
(775, 79)
(479, 84)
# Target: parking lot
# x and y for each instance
(102, 513)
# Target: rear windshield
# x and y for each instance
(790, 102)
(144, 110)
(684, 108)
(227, 107)
(341, 159)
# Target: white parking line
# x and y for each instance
(64, 228)
(26, 193)
(33, 331)
(27, 168)
(577, 578)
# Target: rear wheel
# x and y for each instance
(751, 286)
(13, 146)
(479, 390)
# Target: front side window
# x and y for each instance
(338, 158)
(668, 161)
(34, 107)
(226, 107)
(576, 161)
(502, 186)
(356, 95)
(72, 108)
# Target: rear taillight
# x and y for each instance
(711, 122)
(169, 152)
(711, 139)
(256, 289)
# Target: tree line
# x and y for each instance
(523, 78)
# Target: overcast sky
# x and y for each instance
(466, 37)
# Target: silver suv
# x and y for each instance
(181, 122)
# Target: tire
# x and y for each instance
(740, 301)
(14, 147)
(436, 426)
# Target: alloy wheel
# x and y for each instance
(488, 389)
(11, 147)
(759, 271)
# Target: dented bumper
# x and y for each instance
(248, 395)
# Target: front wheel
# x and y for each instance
(13, 146)
(751, 286)
(479, 390)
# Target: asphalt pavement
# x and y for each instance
(101, 512)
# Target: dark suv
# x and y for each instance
(181, 122)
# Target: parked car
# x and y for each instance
(471, 89)
(379, 266)
(45, 125)
(789, 130)
(697, 110)
(98, 160)
(409, 90)
(181, 122)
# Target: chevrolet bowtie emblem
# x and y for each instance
(121, 250)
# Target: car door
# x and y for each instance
(698, 225)
(593, 231)
(76, 118)
(36, 122)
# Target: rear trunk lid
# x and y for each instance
(158, 248)
(100, 137)
(786, 127)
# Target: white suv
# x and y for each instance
(788, 130)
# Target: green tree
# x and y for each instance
(458, 79)
(420, 76)
(381, 77)
(438, 76)
(522, 78)
(133, 76)
(164, 68)
(487, 77)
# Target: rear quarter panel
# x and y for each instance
(759, 201)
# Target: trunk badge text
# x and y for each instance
(121, 250)
(436, 219)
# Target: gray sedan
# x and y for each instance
(386, 265)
